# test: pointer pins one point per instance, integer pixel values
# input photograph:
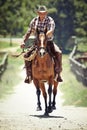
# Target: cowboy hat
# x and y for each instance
(42, 9)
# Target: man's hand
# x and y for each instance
(49, 33)
(22, 45)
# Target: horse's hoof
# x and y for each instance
(50, 109)
(46, 114)
(39, 108)
(53, 107)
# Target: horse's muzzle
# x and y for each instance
(42, 52)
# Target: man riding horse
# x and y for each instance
(41, 23)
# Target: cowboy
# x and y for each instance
(42, 22)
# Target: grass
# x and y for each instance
(74, 92)
(82, 47)
(10, 77)
(6, 44)
(1, 56)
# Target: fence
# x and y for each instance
(80, 70)
(3, 63)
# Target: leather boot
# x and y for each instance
(57, 56)
(28, 78)
(58, 66)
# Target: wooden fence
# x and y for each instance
(3, 63)
(80, 70)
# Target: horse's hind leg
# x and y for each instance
(54, 94)
(38, 92)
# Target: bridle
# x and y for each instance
(42, 41)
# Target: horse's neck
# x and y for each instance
(46, 59)
(43, 65)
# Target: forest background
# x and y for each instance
(70, 17)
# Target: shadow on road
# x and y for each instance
(44, 116)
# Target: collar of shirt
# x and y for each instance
(43, 19)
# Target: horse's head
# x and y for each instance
(41, 43)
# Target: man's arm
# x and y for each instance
(29, 31)
(51, 27)
(26, 36)
(49, 33)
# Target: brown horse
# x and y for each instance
(43, 71)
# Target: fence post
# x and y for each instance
(3, 64)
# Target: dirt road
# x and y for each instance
(18, 112)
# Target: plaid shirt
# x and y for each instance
(48, 23)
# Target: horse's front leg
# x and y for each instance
(50, 94)
(38, 92)
(45, 97)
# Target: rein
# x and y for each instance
(41, 44)
(39, 48)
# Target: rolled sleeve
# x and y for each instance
(51, 25)
(29, 31)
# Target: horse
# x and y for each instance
(43, 71)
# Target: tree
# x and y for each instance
(80, 18)
(64, 18)
(70, 17)
(15, 16)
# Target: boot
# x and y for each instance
(57, 56)
(58, 66)
(58, 78)
(28, 78)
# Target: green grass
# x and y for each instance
(1, 56)
(82, 47)
(10, 77)
(82, 44)
(4, 44)
(74, 92)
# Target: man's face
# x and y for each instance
(42, 15)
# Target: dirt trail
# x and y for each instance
(18, 112)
